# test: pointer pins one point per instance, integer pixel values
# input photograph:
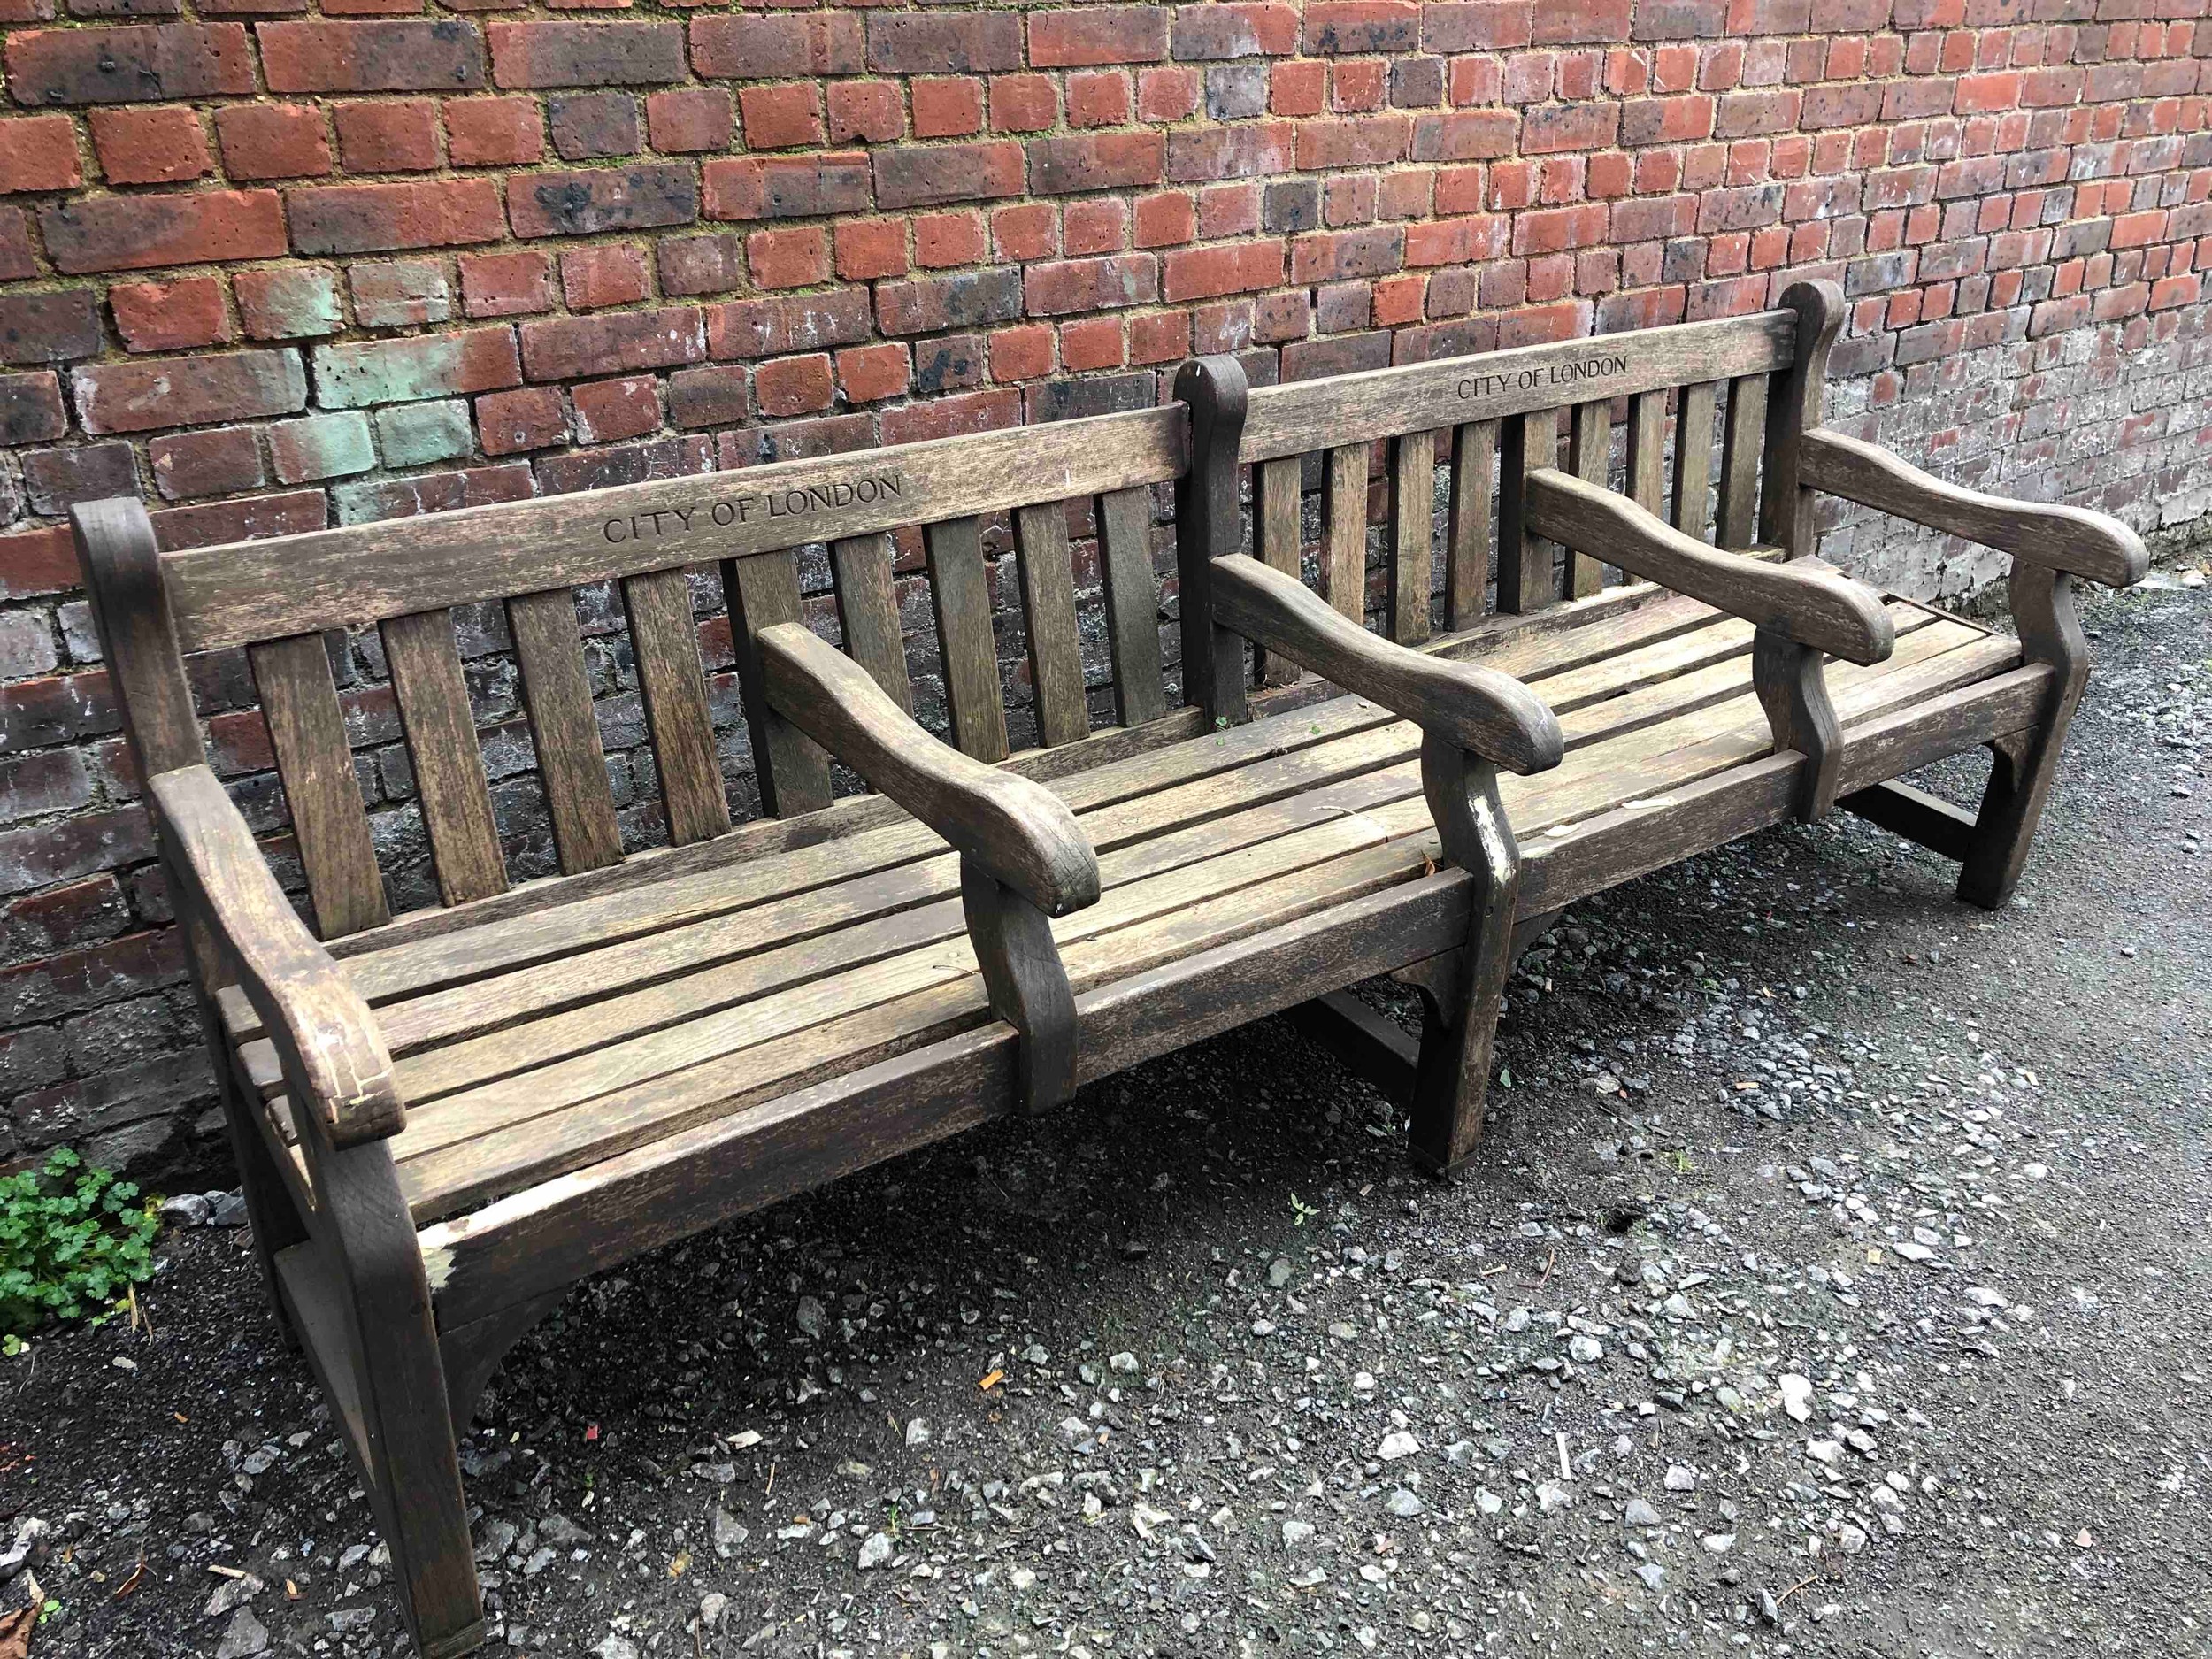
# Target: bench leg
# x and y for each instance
(472, 1352)
(2020, 782)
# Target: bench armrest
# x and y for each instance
(1478, 708)
(1018, 830)
(1816, 607)
(323, 1031)
(2069, 538)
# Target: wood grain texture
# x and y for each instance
(1816, 608)
(1945, 830)
(1647, 451)
(868, 613)
(2022, 770)
(665, 636)
(299, 699)
(1027, 983)
(1786, 507)
(1207, 526)
(124, 578)
(1278, 516)
(1302, 415)
(1344, 530)
(1693, 512)
(792, 770)
(1132, 604)
(1056, 652)
(440, 727)
(1412, 533)
(1589, 454)
(256, 590)
(960, 594)
(564, 730)
(1793, 690)
(2070, 539)
(1019, 832)
(1467, 534)
(1743, 429)
(1525, 579)
(1477, 708)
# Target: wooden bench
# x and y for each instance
(445, 1118)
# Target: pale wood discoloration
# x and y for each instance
(1412, 530)
(1474, 476)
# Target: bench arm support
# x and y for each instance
(1476, 709)
(323, 1031)
(1023, 856)
(1817, 607)
(2069, 538)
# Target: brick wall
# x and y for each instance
(273, 270)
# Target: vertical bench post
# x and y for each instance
(1206, 528)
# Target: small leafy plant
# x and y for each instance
(73, 1241)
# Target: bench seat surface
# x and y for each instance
(536, 1044)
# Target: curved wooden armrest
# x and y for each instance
(1819, 608)
(2069, 538)
(1480, 709)
(323, 1032)
(1018, 830)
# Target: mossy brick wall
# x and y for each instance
(279, 264)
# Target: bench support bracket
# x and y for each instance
(2020, 781)
(1793, 688)
(1930, 820)
(1027, 981)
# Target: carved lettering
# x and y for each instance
(1575, 371)
(795, 501)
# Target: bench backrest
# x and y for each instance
(405, 579)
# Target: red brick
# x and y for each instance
(916, 175)
(509, 422)
(1098, 35)
(16, 258)
(949, 417)
(1298, 88)
(506, 284)
(1094, 343)
(1249, 150)
(139, 64)
(164, 145)
(451, 364)
(228, 386)
(1029, 230)
(943, 43)
(1024, 353)
(1098, 225)
(870, 109)
(37, 562)
(779, 48)
(570, 348)
(784, 186)
(1165, 219)
(1023, 103)
(776, 325)
(1167, 95)
(870, 373)
(495, 132)
(603, 274)
(272, 141)
(796, 257)
(1107, 161)
(447, 56)
(389, 136)
(688, 120)
(1062, 287)
(948, 239)
(712, 263)
(137, 232)
(1160, 337)
(609, 410)
(1198, 273)
(873, 247)
(793, 386)
(49, 327)
(1099, 99)
(170, 316)
(564, 54)
(39, 153)
(379, 217)
(928, 306)
(784, 116)
(947, 107)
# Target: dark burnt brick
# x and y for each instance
(1106, 161)
(1340, 354)
(1063, 288)
(1331, 256)
(433, 492)
(944, 43)
(780, 47)
(404, 371)
(1210, 34)
(382, 217)
(56, 480)
(795, 439)
(148, 64)
(137, 232)
(63, 851)
(570, 348)
(17, 262)
(593, 125)
(1465, 135)
(602, 198)
(713, 263)
(194, 392)
(786, 187)
(957, 361)
(31, 410)
(782, 324)
(1356, 27)
(1257, 150)
(924, 305)
(220, 521)
(587, 54)
(710, 396)
(1092, 395)
(50, 327)
(626, 463)
(190, 464)
(1086, 36)
(380, 55)
(919, 175)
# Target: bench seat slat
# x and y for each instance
(434, 709)
(299, 699)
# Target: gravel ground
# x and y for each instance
(1833, 1282)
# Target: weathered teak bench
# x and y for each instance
(444, 1119)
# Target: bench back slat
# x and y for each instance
(1279, 511)
(1344, 530)
(1527, 579)
(1694, 458)
(868, 612)
(1412, 528)
(1647, 451)
(1744, 431)
(1056, 650)
(672, 682)
(1467, 533)
(791, 769)
(571, 762)
(299, 699)
(449, 763)
(960, 591)
(1589, 456)
(1133, 603)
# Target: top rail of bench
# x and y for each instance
(247, 591)
(1303, 416)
